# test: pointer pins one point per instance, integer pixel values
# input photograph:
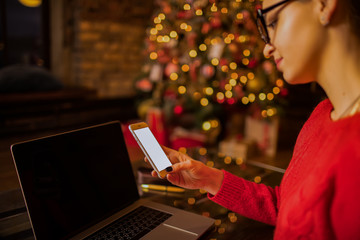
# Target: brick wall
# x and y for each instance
(105, 40)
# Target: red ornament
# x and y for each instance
(178, 110)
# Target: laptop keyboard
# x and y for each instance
(133, 225)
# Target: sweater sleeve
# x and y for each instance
(255, 201)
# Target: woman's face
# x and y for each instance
(297, 39)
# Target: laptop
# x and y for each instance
(80, 185)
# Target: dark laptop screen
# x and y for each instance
(72, 180)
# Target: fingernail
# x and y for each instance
(169, 169)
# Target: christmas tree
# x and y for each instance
(205, 56)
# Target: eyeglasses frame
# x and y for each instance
(260, 16)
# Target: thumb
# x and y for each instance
(181, 166)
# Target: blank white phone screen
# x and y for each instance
(153, 148)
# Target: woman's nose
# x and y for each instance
(268, 50)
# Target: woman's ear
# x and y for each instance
(326, 10)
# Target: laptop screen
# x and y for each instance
(73, 180)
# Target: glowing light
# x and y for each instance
(159, 27)
(182, 150)
(204, 102)
(206, 126)
(191, 201)
(159, 38)
(183, 26)
(173, 34)
(217, 222)
(252, 97)
(203, 47)
(153, 31)
(270, 96)
(30, 3)
(157, 20)
(234, 75)
(279, 83)
(215, 61)
(231, 36)
(182, 89)
(227, 160)
(228, 87)
(174, 76)
(199, 12)
(245, 100)
(243, 79)
(214, 123)
(153, 55)
(185, 68)
(242, 39)
(239, 16)
(233, 65)
(276, 90)
(187, 6)
(161, 16)
(224, 68)
(188, 28)
(251, 75)
(209, 91)
(178, 109)
(262, 96)
(270, 112)
(257, 179)
(209, 163)
(246, 52)
(232, 82)
(214, 8)
(264, 113)
(202, 151)
(227, 40)
(220, 96)
(228, 94)
(224, 10)
(245, 61)
(166, 38)
(193, 53)
(197, 95)
(239, 161)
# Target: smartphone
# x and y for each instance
(151, 148)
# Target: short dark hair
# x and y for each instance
(354, 15)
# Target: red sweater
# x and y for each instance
(319, 196)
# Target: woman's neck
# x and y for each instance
(339, 74)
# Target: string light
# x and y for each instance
(214, 8)
(245, 100)
(174, 76)
(204, 102)
(193, 53)
(270, 96)
(187, 7)
(182, 89)
(209, 91)
(153, 55)
(185, 68)
(199, 12)
(233, 65)
(161, 16)
(262, 96)
(215, 61)
(206, 126)
(202, 151)
(251, 75)
(202, 47)
(276, 90)
(252, 97)
(173, 34)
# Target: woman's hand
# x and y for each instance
(189, 173)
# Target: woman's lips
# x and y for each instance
(278, 61)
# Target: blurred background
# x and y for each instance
(193, 69)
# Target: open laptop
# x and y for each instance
(80, 185)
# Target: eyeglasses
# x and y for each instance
(260, 21)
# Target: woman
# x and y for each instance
(318, 198)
